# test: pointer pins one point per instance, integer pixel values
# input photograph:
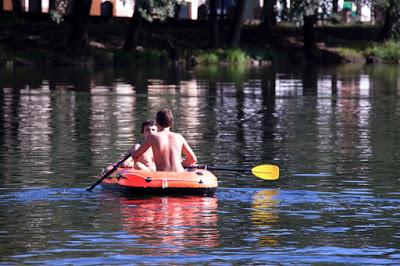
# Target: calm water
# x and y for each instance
(334, 132)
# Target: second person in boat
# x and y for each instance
(146, 161)
(167, 146)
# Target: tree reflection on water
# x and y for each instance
(172, 223)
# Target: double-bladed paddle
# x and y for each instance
(109, 172)
(264, 171)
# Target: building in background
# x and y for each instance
(353, 12)
(197, 9)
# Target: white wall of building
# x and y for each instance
(124, 8)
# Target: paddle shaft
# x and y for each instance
(109, 172)
(219, 168)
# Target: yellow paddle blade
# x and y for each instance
(266, 171)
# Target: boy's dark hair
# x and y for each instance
(149, 122)
(165, 118)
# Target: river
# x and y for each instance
(332, 130)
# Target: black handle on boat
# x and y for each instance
(109, 172)
(205, 167)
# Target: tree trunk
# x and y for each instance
(177, 10)
(358, 6)
(16, 6)
(213, 21)
(385, 32)
(386, 29)
(284, 12)
(52, 4)
(133, 31)
(335, 6)
(309, 38)
(222, 13)
(237, 24)
(35, 6)
(78, 37)
(269, 16)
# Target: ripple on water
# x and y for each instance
(26, 196)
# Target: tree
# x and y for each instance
(284, 11)
(58, 9)
(134, 29)
(147, 10)
(237, 24)
(52, 4)
(309, 38)
(78, 37)
(35, 6)
(16, 6)
(79, 11)
(213, 21)
(335, 6)
(310, 18)
(391, 25)
(269, 14)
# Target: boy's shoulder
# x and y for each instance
(178, 135)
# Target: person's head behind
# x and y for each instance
(149, 127)
(164, 118)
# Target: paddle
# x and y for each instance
(109, 172)
(265, 171)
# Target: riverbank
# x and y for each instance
(42, 42)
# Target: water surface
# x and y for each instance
(332, 130)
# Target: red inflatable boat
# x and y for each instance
(137, 182)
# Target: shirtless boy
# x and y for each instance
(167, 146)
(146, 161)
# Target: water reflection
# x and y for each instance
(172, 224)
(333, 131)
(265, 216)
(111, 119)
(265, 112)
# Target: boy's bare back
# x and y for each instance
(167, 146)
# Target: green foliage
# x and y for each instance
(160, 9)
(300, 8)
(311, 7)
(148, 9)
(207, 58)
(150, 56)
(349, 52)
(266, 54)
(61, 8)
(236, 56)
(390, 8)
(230, 56)
(389, 50)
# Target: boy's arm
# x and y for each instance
(130, 162)
(134, 148)
(142, 149)
(190, 157)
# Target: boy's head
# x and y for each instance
(165, 118)
(149, 127)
